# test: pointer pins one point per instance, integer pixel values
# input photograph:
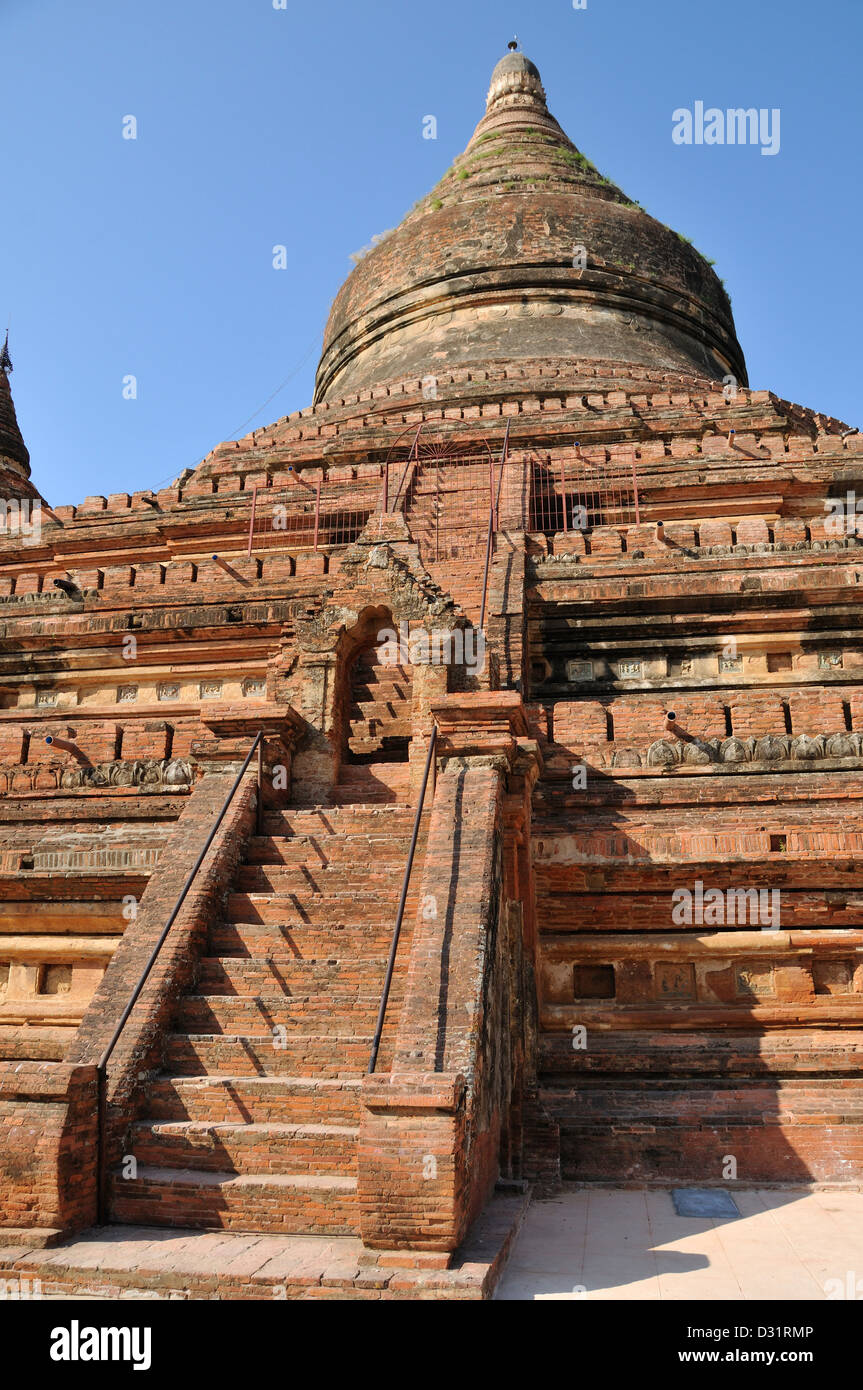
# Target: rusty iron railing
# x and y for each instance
(445, 492)
(577, 492)
(494, 503)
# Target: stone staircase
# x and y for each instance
(253, 1123)
(380, 711)
(451, 542)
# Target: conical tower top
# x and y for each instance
(13, 450)
(524, 250)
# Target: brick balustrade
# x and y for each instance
(430, 1133)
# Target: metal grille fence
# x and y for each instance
(446, 496)
(447, 505)
(578, 493)
(317, 514)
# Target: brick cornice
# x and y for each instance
(480, 724)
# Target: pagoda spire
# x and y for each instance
(14, 454)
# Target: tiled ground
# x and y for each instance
(594, 1245)
(607, 1244)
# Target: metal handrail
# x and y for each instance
(491, 520)
(413, 457)
(102, 1064)
(394, 945)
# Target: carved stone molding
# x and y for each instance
(768, 749)
(156, 775)
(166, 772)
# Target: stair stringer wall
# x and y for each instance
(433, 1129)
(138, 1054)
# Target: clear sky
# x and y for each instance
(303, 127)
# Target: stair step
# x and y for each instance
(384, 713)
(373, 781)
(307, 1054)
(220, 1146)
(381, 672)
(384, 697)
(346, 793)
(378, 722)
(321, 940)
(365, 747)
(324, 1013)
(380, 684)
(330, 852)
(232, 975)
(256, 1099)
(322, 880)
(285, 915)
(340, 821)
(289, 1203)
(291, 912)
(391, 774)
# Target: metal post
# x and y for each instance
(491, 527)
(504, 458)
(260, 804)
(437, 510)
(563, 493)
(317, 511)
(394, 945)
(485, 573)
(252, 519)
(412, 457)
(635, 489)
(101, 1126)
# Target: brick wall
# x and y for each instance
(430, 1135)
(47, 1140)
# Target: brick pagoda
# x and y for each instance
(630, 950)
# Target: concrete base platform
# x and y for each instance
(619, 1244)
(31, 1237)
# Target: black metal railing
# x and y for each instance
(102, 1064)
(394, 945)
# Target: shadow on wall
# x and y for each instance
(680, 1043)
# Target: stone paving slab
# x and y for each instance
(607, 1244)
(114, 1262)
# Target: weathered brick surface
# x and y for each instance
(122, 1262)
(139, 1049)
(47, 1142)
(431, 1132)
(183, 625)
(253, 1122)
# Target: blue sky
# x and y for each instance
(303, 127)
